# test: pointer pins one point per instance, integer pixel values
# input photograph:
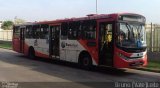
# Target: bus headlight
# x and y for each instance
(123, 56)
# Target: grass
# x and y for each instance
(5, 45)
(154, 65)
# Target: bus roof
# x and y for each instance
(88, 17)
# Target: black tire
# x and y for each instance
(31, 53)
(85, 62)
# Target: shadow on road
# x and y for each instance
(102, 70)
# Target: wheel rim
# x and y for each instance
(86, 61)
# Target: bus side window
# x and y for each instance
(73, 30)
(28, 33)
(38, 31)
(44, 34)
(64, 29)
(34, 31)
(89, 30)
(79, 31)
(16, 32)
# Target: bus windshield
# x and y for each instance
(131, 35)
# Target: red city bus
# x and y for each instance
(114, 40)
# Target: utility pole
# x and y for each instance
(96, 7)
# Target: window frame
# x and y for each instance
(86, 30)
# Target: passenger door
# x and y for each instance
(22, 38)
(18, 39)
(106, 43)
(54, 41)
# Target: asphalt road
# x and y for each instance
(15, 67)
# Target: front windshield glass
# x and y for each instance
(131, 35)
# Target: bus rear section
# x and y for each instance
(18, 39)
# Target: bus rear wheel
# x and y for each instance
(85, 62)
(31, 53)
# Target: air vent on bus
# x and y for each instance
(92, 15)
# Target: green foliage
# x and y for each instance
(5, 45)
(18, 21)
(7, 25)
(154, 64)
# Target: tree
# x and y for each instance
(18, 21)
(7, 25)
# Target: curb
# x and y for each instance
(6, 48)
(148, 69)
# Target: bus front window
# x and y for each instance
(131, 35)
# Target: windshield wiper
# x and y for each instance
(130, 29)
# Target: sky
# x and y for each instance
(42, 10)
